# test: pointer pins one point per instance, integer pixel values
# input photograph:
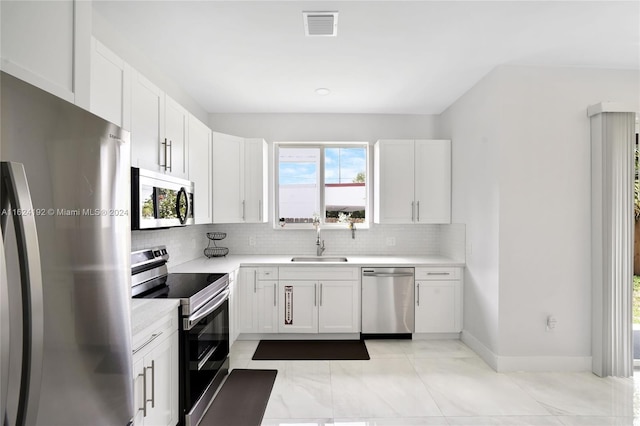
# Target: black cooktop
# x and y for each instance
(181, 286)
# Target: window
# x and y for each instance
(324, 181)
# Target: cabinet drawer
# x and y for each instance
(157, 330)
(315, 273)
(446, 273)
(267, 273)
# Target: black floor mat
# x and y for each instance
(242, 399)
(311, 350)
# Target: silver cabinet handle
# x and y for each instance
(260, 210)
(243, 206)
(170, 156)
(144, 392)
(315, 294)
(255, 280)
(153, 337)
(418, 295)
(413, 211)
(275, 294)
(166, 145)
(14, 191)
(153, 383)
(320, 294)
(418, 208)
(438, 273)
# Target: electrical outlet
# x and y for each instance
(391, 241)
(252, 241)
(551, 322)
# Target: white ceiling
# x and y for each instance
(395, 57)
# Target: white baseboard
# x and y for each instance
(299, 336)
(506, 364)
(563, 364)
(479, 348)
(435, 336)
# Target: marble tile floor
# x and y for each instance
(436, 382)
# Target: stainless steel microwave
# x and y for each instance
(159, 200)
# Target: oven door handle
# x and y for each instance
(216, 302)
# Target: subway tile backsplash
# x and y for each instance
(188, 243)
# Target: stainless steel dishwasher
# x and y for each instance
(387, 301)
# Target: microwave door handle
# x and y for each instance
(182, 193)
(15, 189)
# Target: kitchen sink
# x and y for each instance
(319, 259)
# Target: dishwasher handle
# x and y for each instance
(387, 274)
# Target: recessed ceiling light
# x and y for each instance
(322, 91)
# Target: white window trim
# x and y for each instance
(323, 225)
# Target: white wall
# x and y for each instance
(545, 205)
(325, 127)
(471, 125)
(109, 36)
(522, 169)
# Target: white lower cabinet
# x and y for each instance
(155, 373)
(257, 300)
(438, 300)
(328, 304)
(267, 306)
(233, 307)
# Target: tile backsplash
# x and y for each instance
(188, 243)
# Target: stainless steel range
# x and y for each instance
(204, 325)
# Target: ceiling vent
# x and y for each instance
(320, 24)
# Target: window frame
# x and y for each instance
(321, 176)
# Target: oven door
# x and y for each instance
(205, 351)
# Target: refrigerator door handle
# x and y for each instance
(4, 334)
(16, 198)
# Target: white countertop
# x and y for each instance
(147, 311)
(230, 263)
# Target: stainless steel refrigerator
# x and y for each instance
(65, 342)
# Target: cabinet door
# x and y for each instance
(438, 307)
(110, 96)
(162, 382)
(267, 306)
(38, 39)
(228, 178)
(247, 300)
(147, 118)
(200, 169)
(394, 177)
(176, 122)
(298, 308)
(233, 310)
(255, 187)
(433, 181)
(338, 307)
(138, 391)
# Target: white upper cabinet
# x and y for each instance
(173, 149)
(159, 127)
(147, 119)
(110, 96)
(47, 44)
(239, 181)
(228, 178)
(255, 182)
(200, 170)
(412, 181)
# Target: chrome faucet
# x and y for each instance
(319, 246)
